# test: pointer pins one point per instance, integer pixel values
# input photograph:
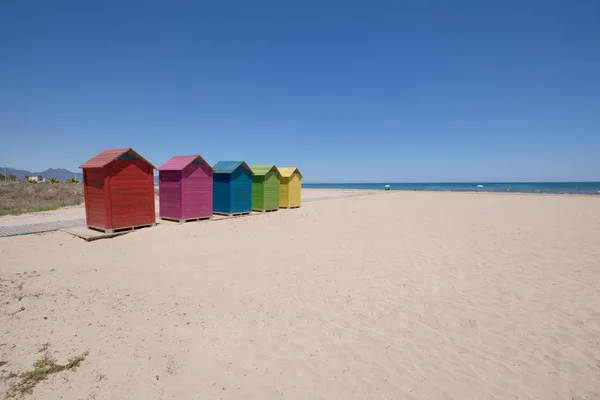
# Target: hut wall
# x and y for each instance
(295, 190)
(222, 193)
(131, 193)
(258, 192)
(197, 191)
(95, 204)
(271, 190)
(169, 191)
(284, 192)
(241, 190)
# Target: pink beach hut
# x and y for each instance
(185, 189)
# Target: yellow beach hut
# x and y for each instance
(290, 190)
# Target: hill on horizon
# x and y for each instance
(58, 173)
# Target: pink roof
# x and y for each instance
(102, 159)
(178, 163)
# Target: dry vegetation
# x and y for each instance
(42, 368)
(23, 197)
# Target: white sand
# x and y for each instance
(390, 296)
(78, 212)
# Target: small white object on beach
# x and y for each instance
(387, 187)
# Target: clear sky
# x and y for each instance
(348, 91)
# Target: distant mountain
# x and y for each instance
(19, 173)
(58, 173)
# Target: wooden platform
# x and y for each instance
(266, 211)
(27, 229)
(183, 221)
(232, 214)
(120, 230)
(89, 234)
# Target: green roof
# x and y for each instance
(227, 167)
(262, 169)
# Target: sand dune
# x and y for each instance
(390, 296)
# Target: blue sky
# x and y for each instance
(351, 91)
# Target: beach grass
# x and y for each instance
(23, 197)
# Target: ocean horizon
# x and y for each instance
(515, 187)
(590, 188)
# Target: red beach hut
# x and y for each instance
(185, 189)
(118, 187)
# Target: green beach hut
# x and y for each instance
(265, 187)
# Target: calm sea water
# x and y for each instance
(517, 187)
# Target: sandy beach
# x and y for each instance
(385, 295)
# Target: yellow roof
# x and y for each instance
(287, 172)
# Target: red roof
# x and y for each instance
(178, 163)
(102, 159)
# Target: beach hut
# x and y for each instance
(265, 187)
(290, 191)
(118, 188)
(232, 188)
(185, 187)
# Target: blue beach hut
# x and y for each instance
(232, 188)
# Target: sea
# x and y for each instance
(591, 188)
(514, 187)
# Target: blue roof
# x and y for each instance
(228, 167)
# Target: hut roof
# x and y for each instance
(228, 167)
(107, 156)
(178, 163)
(287, 172)
(262, 169)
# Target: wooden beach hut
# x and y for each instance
(290, 190)
(118, 187)
(232, 188)
(265, 187)
(185, 187)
